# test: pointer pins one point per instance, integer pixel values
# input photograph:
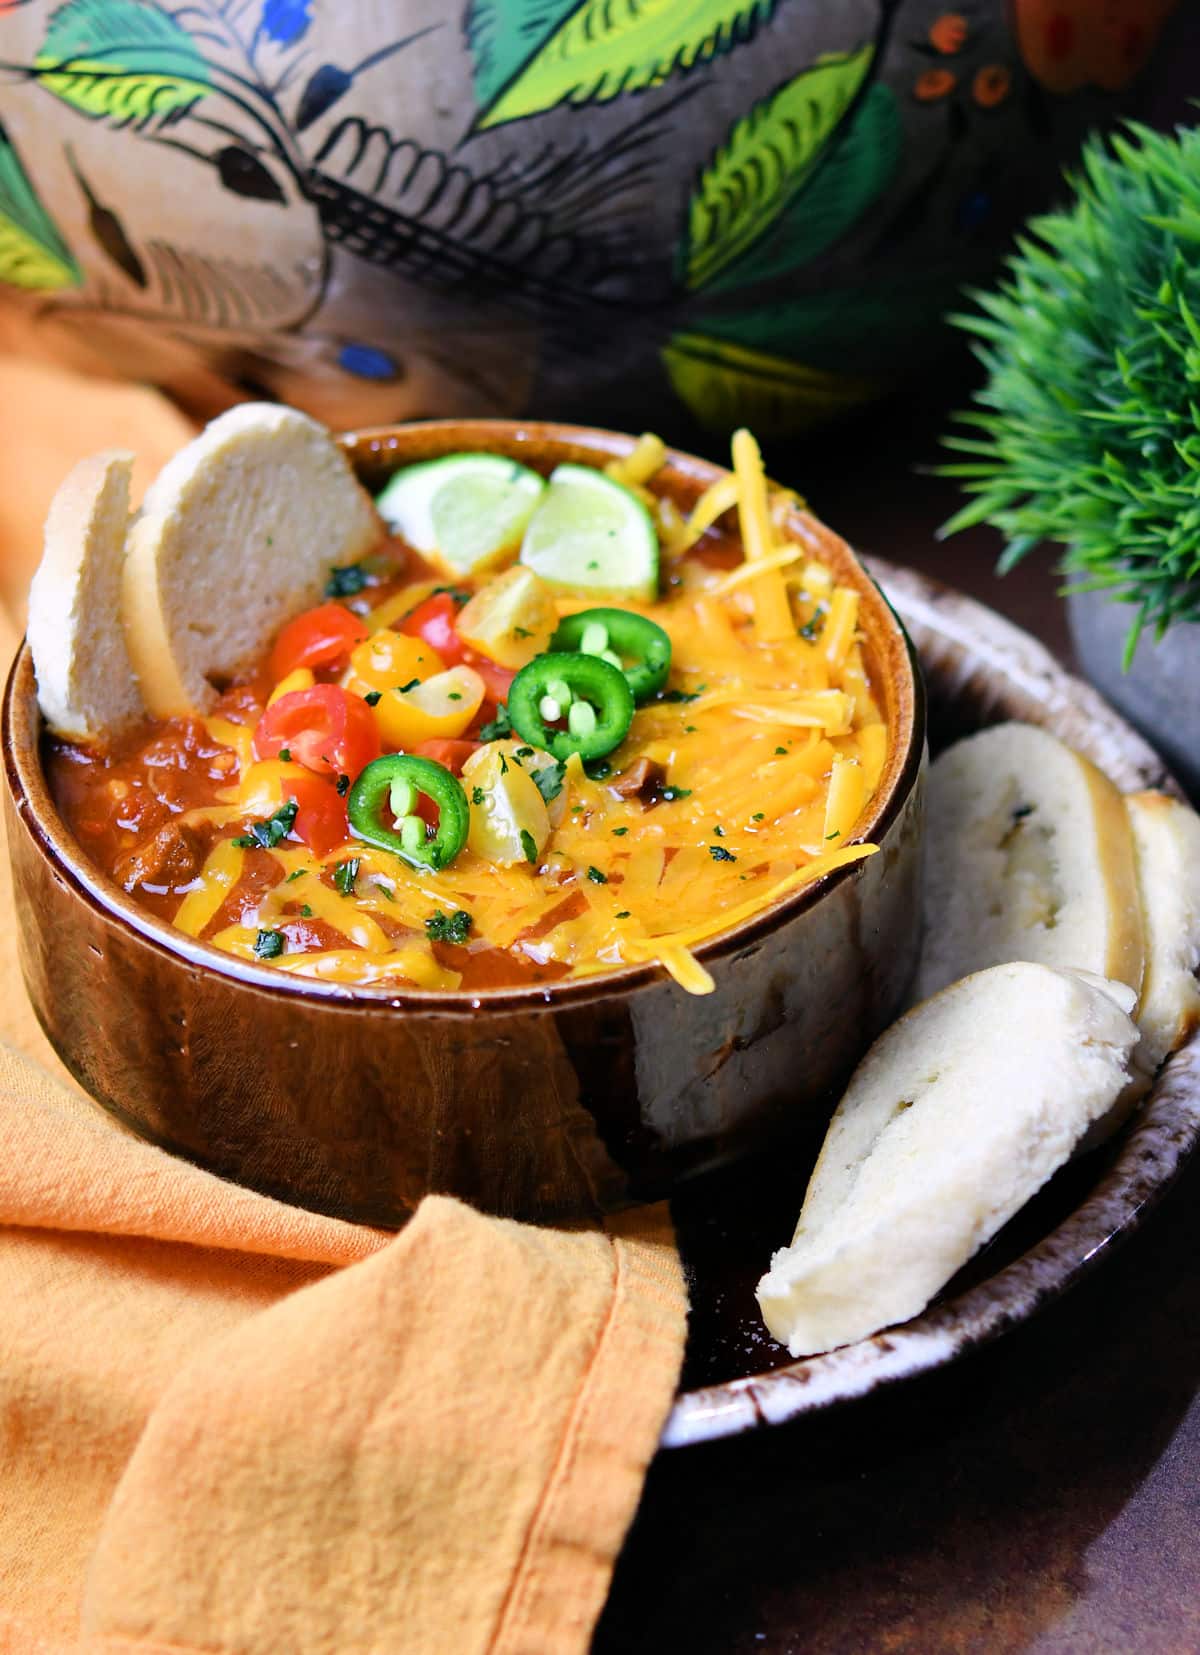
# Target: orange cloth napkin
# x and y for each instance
(229, 1425)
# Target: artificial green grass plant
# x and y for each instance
(1088, 428)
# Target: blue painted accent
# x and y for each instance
(368, 362)
(286, 21)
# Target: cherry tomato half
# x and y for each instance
(317, 638)
(434, 621)
(320, 814)
(324, 728)
(452, 753)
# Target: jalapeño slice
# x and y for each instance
(394, 785)
(639, 647)
(589, 694)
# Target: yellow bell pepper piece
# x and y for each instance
(301, 678)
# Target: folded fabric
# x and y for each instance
(230, 1425)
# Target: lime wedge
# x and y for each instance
(591, 534)
(467, 510)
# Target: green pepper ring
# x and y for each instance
(603, 686)
(628, 634)
(364, 807)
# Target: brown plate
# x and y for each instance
(979, 670)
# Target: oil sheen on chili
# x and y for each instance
(281, 827)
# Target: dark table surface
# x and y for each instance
(1038, 1496)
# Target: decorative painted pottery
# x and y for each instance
(750, 210)
(547, 1102)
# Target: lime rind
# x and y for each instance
(467, 510)
(591, 534)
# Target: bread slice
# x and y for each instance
(1029, 856)
(236, 533)
(1166, 836)
(957, 1115)
(86, 684)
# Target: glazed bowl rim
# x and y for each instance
(30, 794)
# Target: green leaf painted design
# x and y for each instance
(532, 55)
(32, 253)
(502, 36)
(120, 60)
(768, 158)
(725, 385)
(856, 168)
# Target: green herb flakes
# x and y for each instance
(529, 846)
(720, 854)
(269, 945)
(346, 874)
(596, 877)
(267, 834)
(346, 582)
(454, 927)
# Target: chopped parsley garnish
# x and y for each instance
(345, 874)
(681, 695)
(305, 911)
(523, 753)
(596, 877)
(458, 593)
(499, 727)
(620, 833)
(781, 752)
(345, 582)
(549, 779)
(478, 796)
(343, 786)
(267, 834)
(624, 914)
(521, 632)
(1019, 812)
(454, 927)
(411, 685)
(811, 630)
(720, 854)
(454, 696)
(269, 945)
(719, 831)
(296, 873)
(757, 817)
(504, 765)
(669, 793)
(529, 846)
(285, 754)
(373, 697)
(836, 834)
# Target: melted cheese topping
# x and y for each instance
(770, 745)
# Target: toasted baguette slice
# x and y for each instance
(957, 1115)
(1029, 856)
(236, 533)
(86, 683)
(1166, 836)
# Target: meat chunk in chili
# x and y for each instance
(169, 858)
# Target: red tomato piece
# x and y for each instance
(321, 819)
(497, 679)
(434, 621)
(442, 750)
(317, 638)
(324, 728)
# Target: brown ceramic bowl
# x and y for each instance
(542, 1103)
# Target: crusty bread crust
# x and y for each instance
(957, 1115)
(1029, 856)
(236, 534)
(87, 689)
(1166, 835)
